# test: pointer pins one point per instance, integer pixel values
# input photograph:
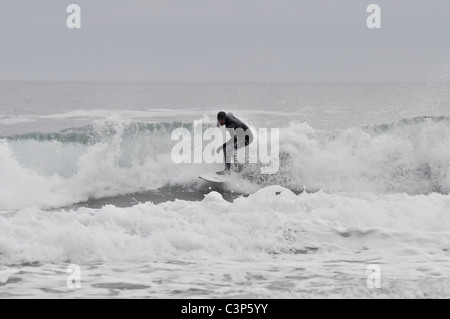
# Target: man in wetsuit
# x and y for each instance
(241, 136)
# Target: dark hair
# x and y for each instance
(222, 115)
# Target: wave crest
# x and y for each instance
(112, 157)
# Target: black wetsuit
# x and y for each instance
(240, 140)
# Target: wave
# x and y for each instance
(100, 131)
(107, 158)
(113, 157)
(410, 156)
(271, 221)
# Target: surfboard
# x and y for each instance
(214, 178)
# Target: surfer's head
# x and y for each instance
(221, 118)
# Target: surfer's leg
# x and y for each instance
(241, 144)
(227, 159)
(236, 165)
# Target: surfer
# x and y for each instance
(241, 136)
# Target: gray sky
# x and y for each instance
(225, 40)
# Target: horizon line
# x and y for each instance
(231, 82)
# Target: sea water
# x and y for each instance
(87, 179)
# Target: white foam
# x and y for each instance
(409, 158)
(16, 120)
(82, 173)
(273, 220)
(271, 244)
(414, 159)
(154, 112)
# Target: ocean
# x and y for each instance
(93, 206)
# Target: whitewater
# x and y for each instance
(88, 180)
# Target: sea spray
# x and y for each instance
(113, 157)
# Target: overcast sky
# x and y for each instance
(225, 40)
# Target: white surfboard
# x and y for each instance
(214, 178)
